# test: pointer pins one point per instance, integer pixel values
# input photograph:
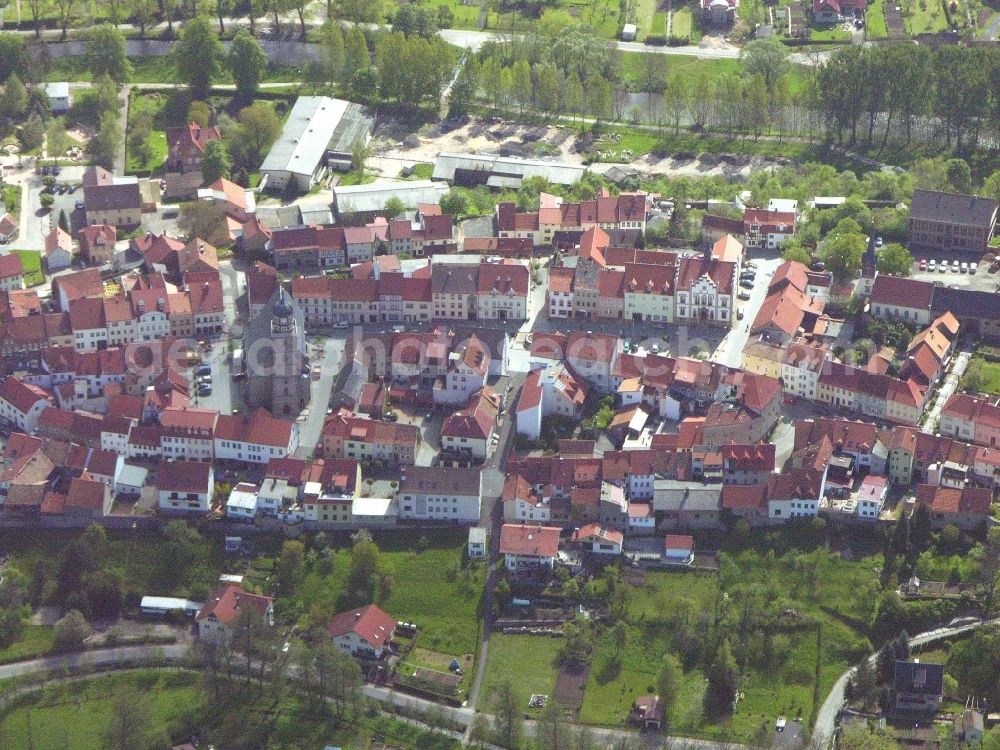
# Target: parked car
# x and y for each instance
(71, 189)
(55, 170)
(79, 205)
(743, 296)
(965, 267)
(205, 369)
(739, 315)
(205, 390)
(931, 265)
(943, 268)
(973, 267)
(342, 324)
(878, 242)
(655, 348)
(955, 266)
(746, 283)
(923, 264)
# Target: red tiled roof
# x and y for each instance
(369, 623)
(503, 278)
(744, 497)
(22, 396)
(939, 499)
(260, 429)
(86, 283)
(182, 476)
(537, 541)
(694, 267)
(595, 531)
(678, 541)
(755, 457)
(900, 292)
(11, 266)
(226, 601)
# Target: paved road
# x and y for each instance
(730, 351)
(826, 719)
(948, 387)
(123, 655)
(992, 29)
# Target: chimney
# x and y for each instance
(161, 304)
(142, 306)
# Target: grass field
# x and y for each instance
(466, 13)
(145, 561)
(875, 25)
(35, 641)
(982, 376)
(830, 34)
(785, 685)
(77, 715)
(530, 662)
(32, 262)
(429, 588)
(633, 65)
(925, 15)
(153, 105)
(683, 21)
(659, 25)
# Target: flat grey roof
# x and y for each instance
(316, 124)
(372, 197)
(556, 172)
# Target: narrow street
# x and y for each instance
(948, 387)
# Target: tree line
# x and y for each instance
(863, 91)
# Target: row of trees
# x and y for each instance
(863, 91)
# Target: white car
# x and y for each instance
(655, 348)
(965, 268)
(973, 267)
(931, 265)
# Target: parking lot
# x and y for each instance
(979, 279)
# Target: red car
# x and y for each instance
(923, 264)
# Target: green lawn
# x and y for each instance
(982, 376)
(659, 26)
(530, 662)
(829, 34)
(875, 25)
(12, 199)
(683, 22)
(429, 588)
(751, 587)
(32, 262)
(924, 15)
(77, 715)
(144, 560)
(35, 641)
(466, 14)
(151, 104)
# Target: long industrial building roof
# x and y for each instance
(372, 197)
(505, 170)
(315, 125)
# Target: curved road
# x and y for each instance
(826, 719)
(464, 716)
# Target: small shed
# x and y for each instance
(158, 606)
(629, 32)
(678, 549)
(59, 96)
(477, 543)
(131, 480)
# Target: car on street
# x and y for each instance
(342, 324)
(743, 296)
(205, 390)
(204, 369)
(746, 283)
(878, 242)
(79, 205)
(71, 189)
(739, 315)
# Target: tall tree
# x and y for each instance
(332, 53)
(14, 99)
(258, 129)
(197, 56)
(131, 726)
(767, 58)
(65, 8)
(106, 54)
(463, 91)
(247, 63)
(723, 677)
(356, 55)
(668, 682)
(215, 162)
(553, 732)
(103, 148)
(509, 724)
